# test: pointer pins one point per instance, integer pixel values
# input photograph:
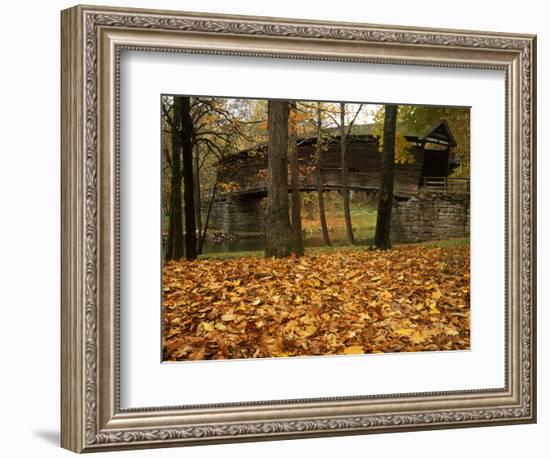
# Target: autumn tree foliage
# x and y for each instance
(416, 120)
(279, 237)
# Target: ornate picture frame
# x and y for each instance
(92, 41)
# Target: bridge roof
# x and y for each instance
(438, 133)
(303, 141)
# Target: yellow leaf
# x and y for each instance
(306, 319)
(308, 331)
(353, 273)
(433, 308)
(451, 332)
(220, 326)
(404, 332)
(354, 350)
(228, 317)
(207, 326)
(416, 338)
(197, 354)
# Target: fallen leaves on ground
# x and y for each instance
(412, 298)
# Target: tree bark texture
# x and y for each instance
(174, 244)
(344, 165)
(278, 231)
(296, 210)
(385, 195)
(198, 213)
(202, 238)
(188, 179)
(319, 178)
(310, 206)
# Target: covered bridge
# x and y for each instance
(244, 175)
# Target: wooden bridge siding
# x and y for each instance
(365, 167)
(364, 164)
(408, 176)
(243, 172)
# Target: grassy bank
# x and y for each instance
(448, 243)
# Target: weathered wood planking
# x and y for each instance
(248, 170)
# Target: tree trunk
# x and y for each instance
(174, 244)
(345, 190)
(309, 206)
(208, 212)
(278, 241)
(188, 180)
(319, 178)
(198, 214)
(296, 211)
(385, 195)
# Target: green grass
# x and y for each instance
(260, 254)
(232, 255)
(337, 248)
(448, 243)
(363, 218)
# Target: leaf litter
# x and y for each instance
(408, 299)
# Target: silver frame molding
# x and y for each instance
(92, 39)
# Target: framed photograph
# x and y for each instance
(278, 228)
